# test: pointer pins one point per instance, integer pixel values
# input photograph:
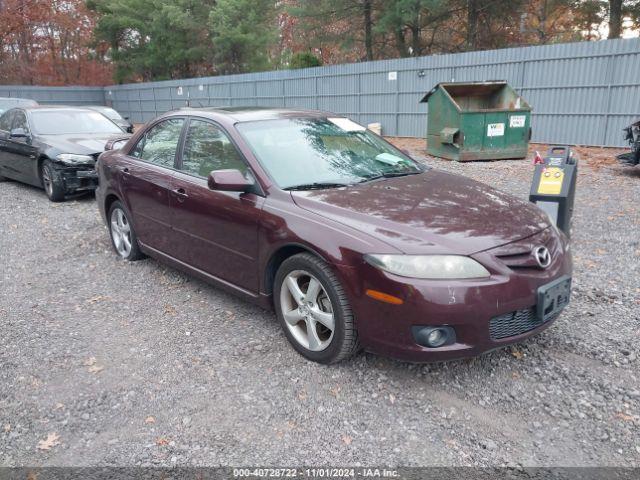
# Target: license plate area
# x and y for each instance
(553, 297)
(87, 174)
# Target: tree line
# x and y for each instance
(102, 41)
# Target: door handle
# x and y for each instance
(123, 170)
(180, 194)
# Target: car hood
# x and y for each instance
(434, 212)
(80, 144)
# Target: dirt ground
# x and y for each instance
(594, 157)
(109, 363)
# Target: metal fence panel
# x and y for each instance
(581, 93)
(56, 95)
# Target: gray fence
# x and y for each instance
(56, 95)
(581, 93)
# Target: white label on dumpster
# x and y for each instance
(393, 76)
(495, 129)
(516, 121)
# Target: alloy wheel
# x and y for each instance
(121, 232)
(46, 179)
(307, 310)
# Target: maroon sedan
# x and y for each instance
(353, 243)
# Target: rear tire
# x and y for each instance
(314, 311)
(52, 182)
(123, 236)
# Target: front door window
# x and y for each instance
(208, 148)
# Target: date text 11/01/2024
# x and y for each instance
(314, 473)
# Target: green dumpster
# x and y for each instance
(477, 121)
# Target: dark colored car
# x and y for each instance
(7, 103)
(631, 135)
(352, 242)
(54, 147)
(115, 117)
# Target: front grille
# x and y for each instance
(518, 255)
(519, 260)
(514, 323)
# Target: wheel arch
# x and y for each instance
(108, 201)
(281, 254)
(41, 159)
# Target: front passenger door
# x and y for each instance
(145, 180)
(24, 154)
(217, 231)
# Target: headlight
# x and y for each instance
(437, 267)
(73, 159)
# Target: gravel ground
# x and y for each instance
(108, 363)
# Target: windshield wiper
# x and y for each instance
(317, 186)
(391, 175)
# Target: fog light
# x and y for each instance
(434, 337)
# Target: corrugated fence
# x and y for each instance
(581, 93)
(56, 95)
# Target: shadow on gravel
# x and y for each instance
(79, 197)
(631, 172)
(389, 366)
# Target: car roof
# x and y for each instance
(248, 114)
(45, 108)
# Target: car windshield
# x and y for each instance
(307, 153)
(63, 122)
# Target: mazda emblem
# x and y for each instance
(542, 256)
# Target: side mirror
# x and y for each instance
(229, 181)
(130, 129)
(113, 144)
(18, 133)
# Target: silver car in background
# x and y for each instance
(6, 103)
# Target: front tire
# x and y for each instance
(123, 236)
(52, 182)
(314, 311)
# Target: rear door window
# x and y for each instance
(160, 143)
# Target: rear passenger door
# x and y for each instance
(217, 231)
(145, 179)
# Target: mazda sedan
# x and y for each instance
(354, 244)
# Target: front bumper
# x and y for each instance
(79, 178)
(468, 306)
